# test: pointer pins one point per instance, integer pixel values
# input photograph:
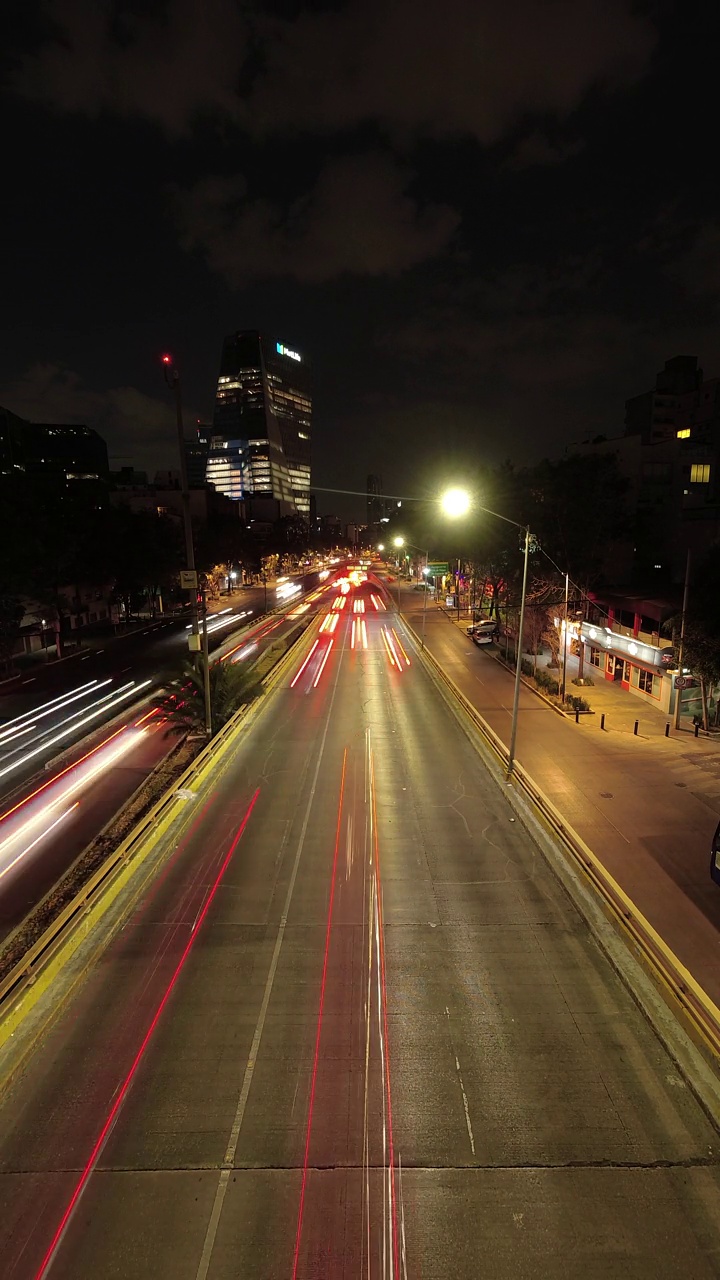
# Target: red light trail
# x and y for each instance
(122, 1093)
(313, 1081)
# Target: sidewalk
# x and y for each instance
(620, 707)
(647, 805)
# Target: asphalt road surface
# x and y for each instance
(47, 824)
(355, 1030)
(647, 808)
(44, 713)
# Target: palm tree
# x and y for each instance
(184, 704)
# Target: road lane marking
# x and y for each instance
(466, 1105)
(224, 1180)
(321, 1010)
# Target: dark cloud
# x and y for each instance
(136, 426)
(445, 67)
(441, 68)
(536, 149)
(358, 220)
(171, 64)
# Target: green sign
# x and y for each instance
(437, 570)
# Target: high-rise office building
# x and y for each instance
(197, 449)
(375, 502)
(260, 446)
(65, 457)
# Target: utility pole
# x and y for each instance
(172, 377)
(686, 592)
(518, 660)
(206, 669)
(565, 634)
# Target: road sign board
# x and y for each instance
(188, 579)
(681, 682)
(436, 570)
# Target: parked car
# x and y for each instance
(483, 632)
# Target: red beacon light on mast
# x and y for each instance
(166, 359)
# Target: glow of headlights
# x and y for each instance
(294, 681)
(84, 778)
(59, 737)
(393, 660)
(11, 734)
(56, 704)
(249, 648)
(352, 638)
(286, 590)
(321, 668)
(37, 839)
(399, 645)
(364, 633)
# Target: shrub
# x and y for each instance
(578, 704)
(527, 667)
(585, 680)
(546, 682)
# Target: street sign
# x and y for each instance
(450, 602)
(188, 579)
(681, 682)
(437, 570)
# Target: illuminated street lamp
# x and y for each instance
(399, 542)
(381, 546)
(455, 503)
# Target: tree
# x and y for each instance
(11, 616)
(577, 509)
(231, 685)
(701, 640)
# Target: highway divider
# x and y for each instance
(22, 989)
(700, 1014)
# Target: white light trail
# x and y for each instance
(38, 838)
(11, 734)
(56, 796)
(321, 668)
(294, 681)
(56, 704)
(130, 691)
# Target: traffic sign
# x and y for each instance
(681, 682)
(438, 569)
(188, 579)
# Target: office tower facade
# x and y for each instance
(261, 433)
(375, 502)
(65, 458)
(197, 450)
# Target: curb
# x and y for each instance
(682, 1015)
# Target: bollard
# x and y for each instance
(697, 730)
(602, 720)
(667, 729)
(637, 722)
(577, 716)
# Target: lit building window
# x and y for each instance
(700, 473)
(683, 433)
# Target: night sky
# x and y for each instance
(487, 222)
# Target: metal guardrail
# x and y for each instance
(702, 1013)
(40, 954)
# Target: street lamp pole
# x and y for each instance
(518, 658)
(172, 377)
(402, 543)
(206, 668)
(686, 593)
